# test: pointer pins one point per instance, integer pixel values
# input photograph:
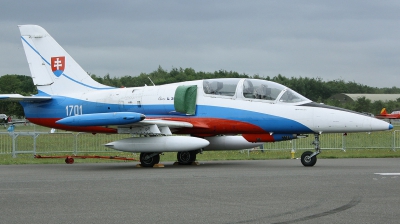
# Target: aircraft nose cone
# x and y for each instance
(390, 126)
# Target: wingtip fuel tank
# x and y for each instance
(102, 119)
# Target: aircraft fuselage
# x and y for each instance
(215, 114)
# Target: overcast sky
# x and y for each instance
(351, 40)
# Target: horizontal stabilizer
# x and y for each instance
(102, 119)
(19, 97)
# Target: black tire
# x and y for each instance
(149, 162)
(306, 160)
(186, 158)
(69, 160)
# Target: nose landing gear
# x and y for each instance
(309, 158)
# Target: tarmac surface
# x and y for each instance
(267, 191)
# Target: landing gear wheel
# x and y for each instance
(307, 160)
(69, 160)
(148, 161)
(186, 158)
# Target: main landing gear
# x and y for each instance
(186, 158)
(310, 158)
(149, 159)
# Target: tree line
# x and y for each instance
(18, 84)
(315, 89)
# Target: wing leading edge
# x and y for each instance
(125, 122)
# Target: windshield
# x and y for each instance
(291, 96)
(266, 90)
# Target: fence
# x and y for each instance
(375, 140)
(38, 141)
(62, 142)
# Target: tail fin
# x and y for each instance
(53, 70)
(383, 111)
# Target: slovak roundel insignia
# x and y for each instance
(58, 65)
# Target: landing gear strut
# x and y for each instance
(149, 159)
(310, 158)
(186, 158)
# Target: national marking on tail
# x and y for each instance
(53, 70)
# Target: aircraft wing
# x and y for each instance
(165, 123)
(125, 122)
(153, 127)
(19, 97)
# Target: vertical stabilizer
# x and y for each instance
(383, 111)
(53, 70)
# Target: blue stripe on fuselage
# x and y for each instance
(267, 122)
(58, 107)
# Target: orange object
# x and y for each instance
(384, 115)
(70, 159)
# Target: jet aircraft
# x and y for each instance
(186, 117)
(384, 115)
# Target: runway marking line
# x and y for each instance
(388, 174)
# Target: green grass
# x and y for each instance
(210, 156)
(357, 145)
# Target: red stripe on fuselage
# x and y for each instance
(216, 126)
(201, 126)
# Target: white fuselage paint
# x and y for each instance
(318, 119)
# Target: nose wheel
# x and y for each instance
(309, 158)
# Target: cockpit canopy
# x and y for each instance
(222, 87)
(250, 89)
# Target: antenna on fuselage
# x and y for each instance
(151, 80)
